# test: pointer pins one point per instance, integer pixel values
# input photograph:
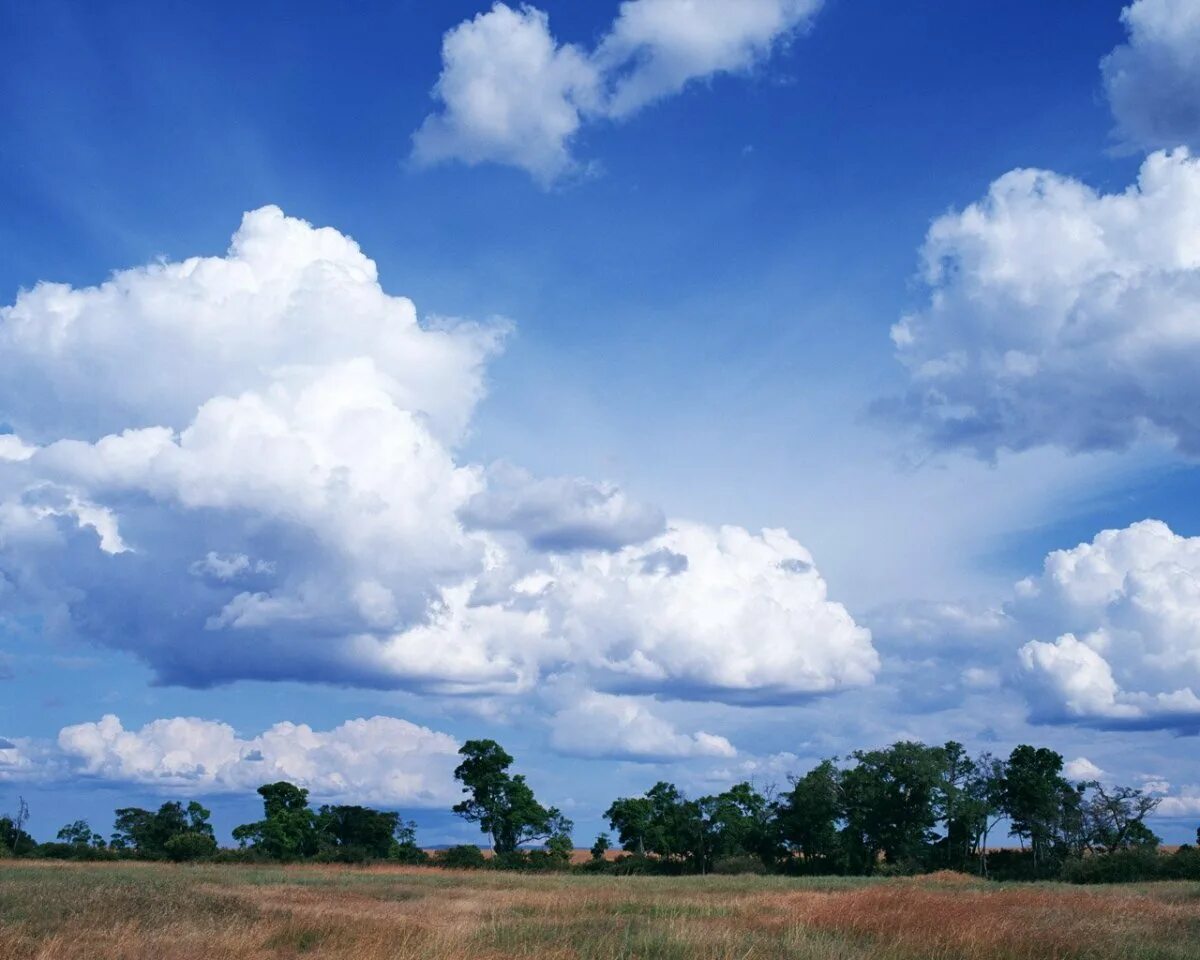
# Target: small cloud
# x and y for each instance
(1081, 768)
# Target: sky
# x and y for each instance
(667, 389)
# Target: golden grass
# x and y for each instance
(162, 912)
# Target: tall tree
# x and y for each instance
(501, 803)
(1034, 793)
(175, 831)
(809, 814)
(888, 798)
(1115, 818)
(288, 829)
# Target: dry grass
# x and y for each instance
(160, 912)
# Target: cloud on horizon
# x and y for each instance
(382, 760)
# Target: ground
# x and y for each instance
(142, 911)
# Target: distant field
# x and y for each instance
(160, 912)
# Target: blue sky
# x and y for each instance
(697, 297)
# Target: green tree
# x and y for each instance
(501, 803)
(889, 804)
(1115, 818)
(175, 831)
(808, 817)
(372, 833)
(80, 834)
(739, 822)
(13, 839)
(630, 817)
(600, 847)
(1034, 798)
(981, 806)
(288, 830)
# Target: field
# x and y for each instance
(135, 911)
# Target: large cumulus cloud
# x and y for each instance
(1153, 80)
(245, 467)
(1061, 315)
(382, 760)
(511, 93)
(1116, 630)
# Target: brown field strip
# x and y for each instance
(161, 912)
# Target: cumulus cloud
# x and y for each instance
(603, 725)
(734, 622)
(656, 47)
(381, 760)
(1153, 80)
(1184, 803)
(1058, 315)
(561, 513)
(244, 467)
(1081, 768)
(511, 93)
(1124, 612)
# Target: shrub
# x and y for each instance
(743, 863)
(409, 853)
(465, 856)
(190, 846)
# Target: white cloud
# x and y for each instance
(381, 760)
(1126, 611)
(1081, 768)
(655, 47)
(1153, 80)
(561, 513)
(150, 345)
(510, 93)
(603, 725)
(259, 481)
(743, 618)
(1060, 315)
(1185, 803)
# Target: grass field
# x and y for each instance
(136, 911)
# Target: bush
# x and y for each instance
(743, 863)
(465, 856)
(190, 846)
(409, 853)
(343, 854)
(56, 850)
(1133, 866)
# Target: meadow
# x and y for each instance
(131, 911)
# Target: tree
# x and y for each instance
(13, 837)
(600, 847)
(981, 807)
(888, 798)
(502, 804)
(630, 817)
(1034, 793)
(288, 829)
(1114, 819)
(665, 823)
(740, 821)
(372, 832)
(174, 831)
(80, 834)
(808, 816)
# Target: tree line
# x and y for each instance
(905, 808)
